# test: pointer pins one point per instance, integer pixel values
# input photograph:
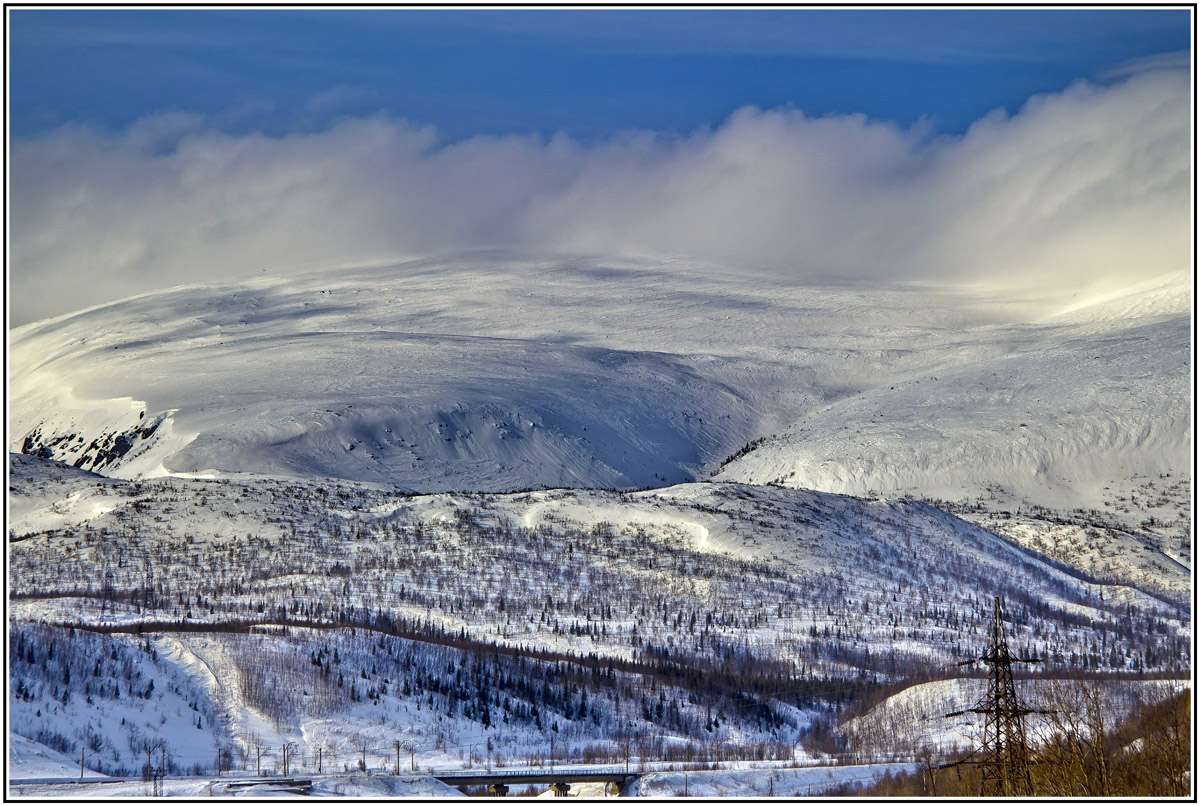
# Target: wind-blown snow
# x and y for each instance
(494, 373)
(1049, 412)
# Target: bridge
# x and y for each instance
(499, 781)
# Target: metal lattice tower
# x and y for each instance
(1004, 763)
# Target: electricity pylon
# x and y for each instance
(1004, 763)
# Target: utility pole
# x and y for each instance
(289, 749)
(150, 747)
(162, 770)
(1004, 768)
(928, 774)
(397, 757)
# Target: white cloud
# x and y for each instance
(1090, 185)
(1175, 60)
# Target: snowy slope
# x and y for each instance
(628, 544)
(820, 585)
(491, 372)
(915, 718)
(30, 759)
(1050, 412)
(395, 375)
(111, 698)
(496, 373)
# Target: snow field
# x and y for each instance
(499, 373)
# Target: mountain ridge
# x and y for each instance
(498, 374)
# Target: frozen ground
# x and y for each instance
(790, 783)
(735, 783)
(330, 786)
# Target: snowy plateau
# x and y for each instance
(491, 511)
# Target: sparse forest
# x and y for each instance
(370, 613)
(1086, 754)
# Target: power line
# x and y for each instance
(1004, 767)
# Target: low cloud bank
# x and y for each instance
(1086, 187)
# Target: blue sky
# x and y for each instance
(586, 73)
(150, 148)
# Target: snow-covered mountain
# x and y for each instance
(308, 510)
(1054, 411)
(493, 373)
(433, 378)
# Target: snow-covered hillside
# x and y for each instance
(547, 506)
(1058, 412)
(493, 373)
(469, 376)
(265, 612)
(915, 719)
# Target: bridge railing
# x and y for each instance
(525, 771)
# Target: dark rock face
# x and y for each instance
(35, 445)
(101, 452)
